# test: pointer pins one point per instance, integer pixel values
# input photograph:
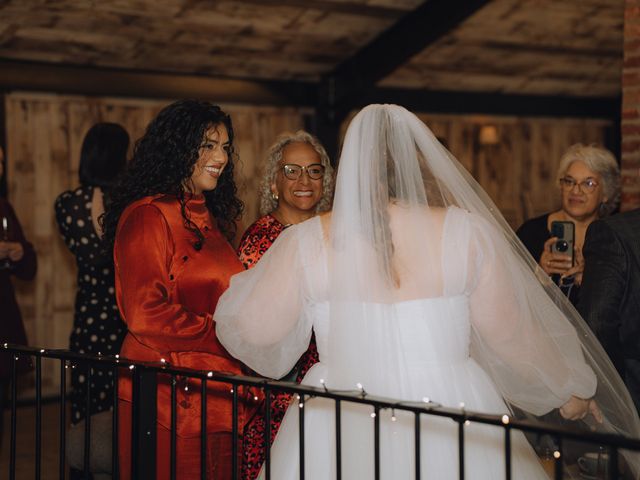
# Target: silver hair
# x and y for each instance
(267, 203)
(601, 161)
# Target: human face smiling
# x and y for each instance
(297, 198)
(214, 156)
(577, 203)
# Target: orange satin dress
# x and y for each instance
(167, 292)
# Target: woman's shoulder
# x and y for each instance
(534, 226)
(263, 226)
(149, 207)
(257, 238)
(79, 195)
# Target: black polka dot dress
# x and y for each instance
(97, 326)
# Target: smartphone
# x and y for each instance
(566, 232)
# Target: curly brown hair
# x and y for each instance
(165, 156)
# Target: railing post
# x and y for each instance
(143, 428)
(461, 449)
(267, 433)
(416, 436)
(14, 414)
(38, 465)
(63, 420)
(557, 470)
(301, 434)
(338, 440)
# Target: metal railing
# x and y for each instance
(145, 381)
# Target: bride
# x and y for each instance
(415, 287)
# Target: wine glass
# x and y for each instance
(5, 263)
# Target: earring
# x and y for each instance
(274, 196)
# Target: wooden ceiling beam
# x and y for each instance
(113, 82)
(89, 80)
(407, 37)
(490, 103)
(350, 8)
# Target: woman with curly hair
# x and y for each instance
(298, 184)
(170, 221)
(589, 181)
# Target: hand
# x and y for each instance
(577, 270)
(577, 408)
(11, 250)
(16, 251)
(4, 249)
(554, 262)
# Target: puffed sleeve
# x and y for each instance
(142, 255)
(521, 337)
(260, 319)
(26, 267)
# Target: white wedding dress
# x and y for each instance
(415, 287)
(425, 354)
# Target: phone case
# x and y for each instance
(565, 231)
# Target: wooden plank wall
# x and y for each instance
(44, 135)
(519, 172)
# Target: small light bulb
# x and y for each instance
(461, 404)
(373, 414)
(359, 386)
(210, 374)
(42, 350)
(393, 418)
(131, 367)
(426, 399)
(556, 454)
(505, 419)
(467, 423)
(301, 405)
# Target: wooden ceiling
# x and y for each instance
(565, 48)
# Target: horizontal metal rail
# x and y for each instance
(358, 396)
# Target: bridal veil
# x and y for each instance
(394, 182)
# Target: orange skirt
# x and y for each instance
(219, 452)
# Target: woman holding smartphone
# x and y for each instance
(589, 180)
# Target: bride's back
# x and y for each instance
(416, 260)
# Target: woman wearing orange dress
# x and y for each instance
(170, 221)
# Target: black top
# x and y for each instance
(97, 326)
(533, 233)
(11, 326)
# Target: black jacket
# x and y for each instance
(610, 294)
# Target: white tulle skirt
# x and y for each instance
(439, 455)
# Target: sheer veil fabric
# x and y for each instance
(409, 223)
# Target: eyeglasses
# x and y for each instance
(293, 171)
(586, 186)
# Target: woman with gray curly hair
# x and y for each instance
(298, 184)
(589, 180)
